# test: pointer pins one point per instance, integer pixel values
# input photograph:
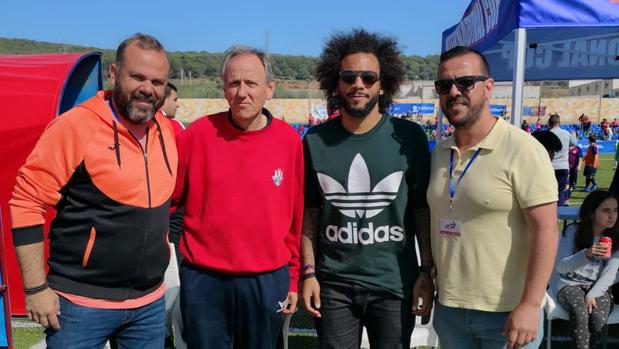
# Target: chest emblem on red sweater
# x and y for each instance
(278, 176)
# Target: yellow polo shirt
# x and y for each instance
(483, 265)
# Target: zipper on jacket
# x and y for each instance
(145, 154)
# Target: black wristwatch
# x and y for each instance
(428, 269)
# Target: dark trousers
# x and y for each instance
(585, 329)
(226, 311)
(562, 176)
(346, 308)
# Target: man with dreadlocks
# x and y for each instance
(366, 179)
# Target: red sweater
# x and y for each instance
(243, 193)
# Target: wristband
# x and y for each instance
(308, 276)
(308, 266)
(34, 290)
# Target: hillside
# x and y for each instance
(204, 65)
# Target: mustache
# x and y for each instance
(141, 97)
(353, 94)
(458, 99)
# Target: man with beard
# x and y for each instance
(108, 168)
(494, 222)
(240, 179)
(366, 179)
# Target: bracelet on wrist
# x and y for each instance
(308, 266)
(308, 276)
(38, 289)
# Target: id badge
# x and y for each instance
(450, 227)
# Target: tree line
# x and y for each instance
(205, 65)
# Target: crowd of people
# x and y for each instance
(264, 222)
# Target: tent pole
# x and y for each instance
(518, 80)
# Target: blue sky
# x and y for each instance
(294, 27)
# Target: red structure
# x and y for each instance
(33, 90)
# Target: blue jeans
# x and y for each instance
(89, 328)
(347, 307)
(472, 329)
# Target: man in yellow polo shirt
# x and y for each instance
(492, 196)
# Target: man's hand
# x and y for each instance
(424, 289)
(591, 304)
(521, 326)
(310, 291)
(44, 308)
(291, 303)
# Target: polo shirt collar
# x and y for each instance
(489, 142)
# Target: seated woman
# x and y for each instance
(586, 269)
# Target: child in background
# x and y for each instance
(592, 160)
(574, 155)
(585, 270)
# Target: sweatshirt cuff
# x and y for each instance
(294, 285)
(27, 235)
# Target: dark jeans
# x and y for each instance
(226, 311)
(346, 308)
(562, 176)
(89, 328)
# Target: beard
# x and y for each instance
(127, 108)
(469, 119)
(359, 112)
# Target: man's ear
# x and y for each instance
(114, 69)
(270, 89)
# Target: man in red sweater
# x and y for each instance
(241, 181)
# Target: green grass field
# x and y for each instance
(24, 338)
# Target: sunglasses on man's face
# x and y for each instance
(463, 83)
(349, 77)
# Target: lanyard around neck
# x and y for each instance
(452, 186)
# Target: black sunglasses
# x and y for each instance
(463, 83)
(369, 78)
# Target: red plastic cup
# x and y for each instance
(609, 242)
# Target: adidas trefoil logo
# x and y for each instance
(278, 176)
(359, 200)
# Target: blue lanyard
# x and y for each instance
(109, 101)
(452, 187)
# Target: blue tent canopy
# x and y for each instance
(541, 40)
(576, 39)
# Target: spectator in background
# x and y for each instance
(616, 155)
(574, 157)
(525, 126)
(605, 126)
(592, 160)
(585, 273)
(170, 107)
(560, 161)
(614, 125)
(538, 124)
(174, 320)
(585, 123)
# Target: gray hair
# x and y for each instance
(243, 50)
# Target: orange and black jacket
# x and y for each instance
(109, 237)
